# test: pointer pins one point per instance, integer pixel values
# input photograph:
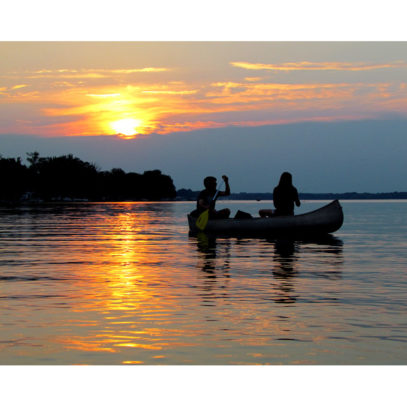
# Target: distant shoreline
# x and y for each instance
(233, 197)
(69, 179)
(188, 195)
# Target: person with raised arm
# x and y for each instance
(207, 199)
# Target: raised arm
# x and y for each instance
(226, 192)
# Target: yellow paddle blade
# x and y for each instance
(202, 220)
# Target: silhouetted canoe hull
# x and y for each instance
(327, 219)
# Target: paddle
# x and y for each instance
(203, 218)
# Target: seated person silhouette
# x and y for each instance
(206, 199)
(285, 195)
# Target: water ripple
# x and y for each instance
(124, 283)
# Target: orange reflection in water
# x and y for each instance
(131, 303)
(123, 271)
(125, 307)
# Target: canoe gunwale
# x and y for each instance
(324, 220)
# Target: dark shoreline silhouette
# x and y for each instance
(189, 195)
(68, 178)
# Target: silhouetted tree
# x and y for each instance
(113, 184)
(14, 178)
(157, 185)
(56, 178)
(33, 158)
(61, 177)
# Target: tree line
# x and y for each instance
(69, 178)
(189, 195)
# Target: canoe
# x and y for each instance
(327, 219)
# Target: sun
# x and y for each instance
(126, 128)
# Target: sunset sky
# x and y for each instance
(152, 102)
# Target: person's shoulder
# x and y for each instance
(203, 194)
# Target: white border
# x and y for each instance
(213, 20)
(203, 386)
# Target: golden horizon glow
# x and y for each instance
(82, 97)
(128, 111)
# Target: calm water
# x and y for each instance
(123, 283)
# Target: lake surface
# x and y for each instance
(124, 283)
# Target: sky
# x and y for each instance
(332, 113)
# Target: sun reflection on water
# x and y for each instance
(125, 290)
(126, 284)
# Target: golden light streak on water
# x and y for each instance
(123, 282)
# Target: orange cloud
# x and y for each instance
(165, 109)
(19, 86)
(72, 75)
(231, 92)
(89, 73)
(128, 71)
(317, 66)
(120, 103)
(46, 71)
(5, 90)
(170, 92)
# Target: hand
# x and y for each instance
(225, 178)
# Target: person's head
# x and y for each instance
(286, 179)
(210, 183)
